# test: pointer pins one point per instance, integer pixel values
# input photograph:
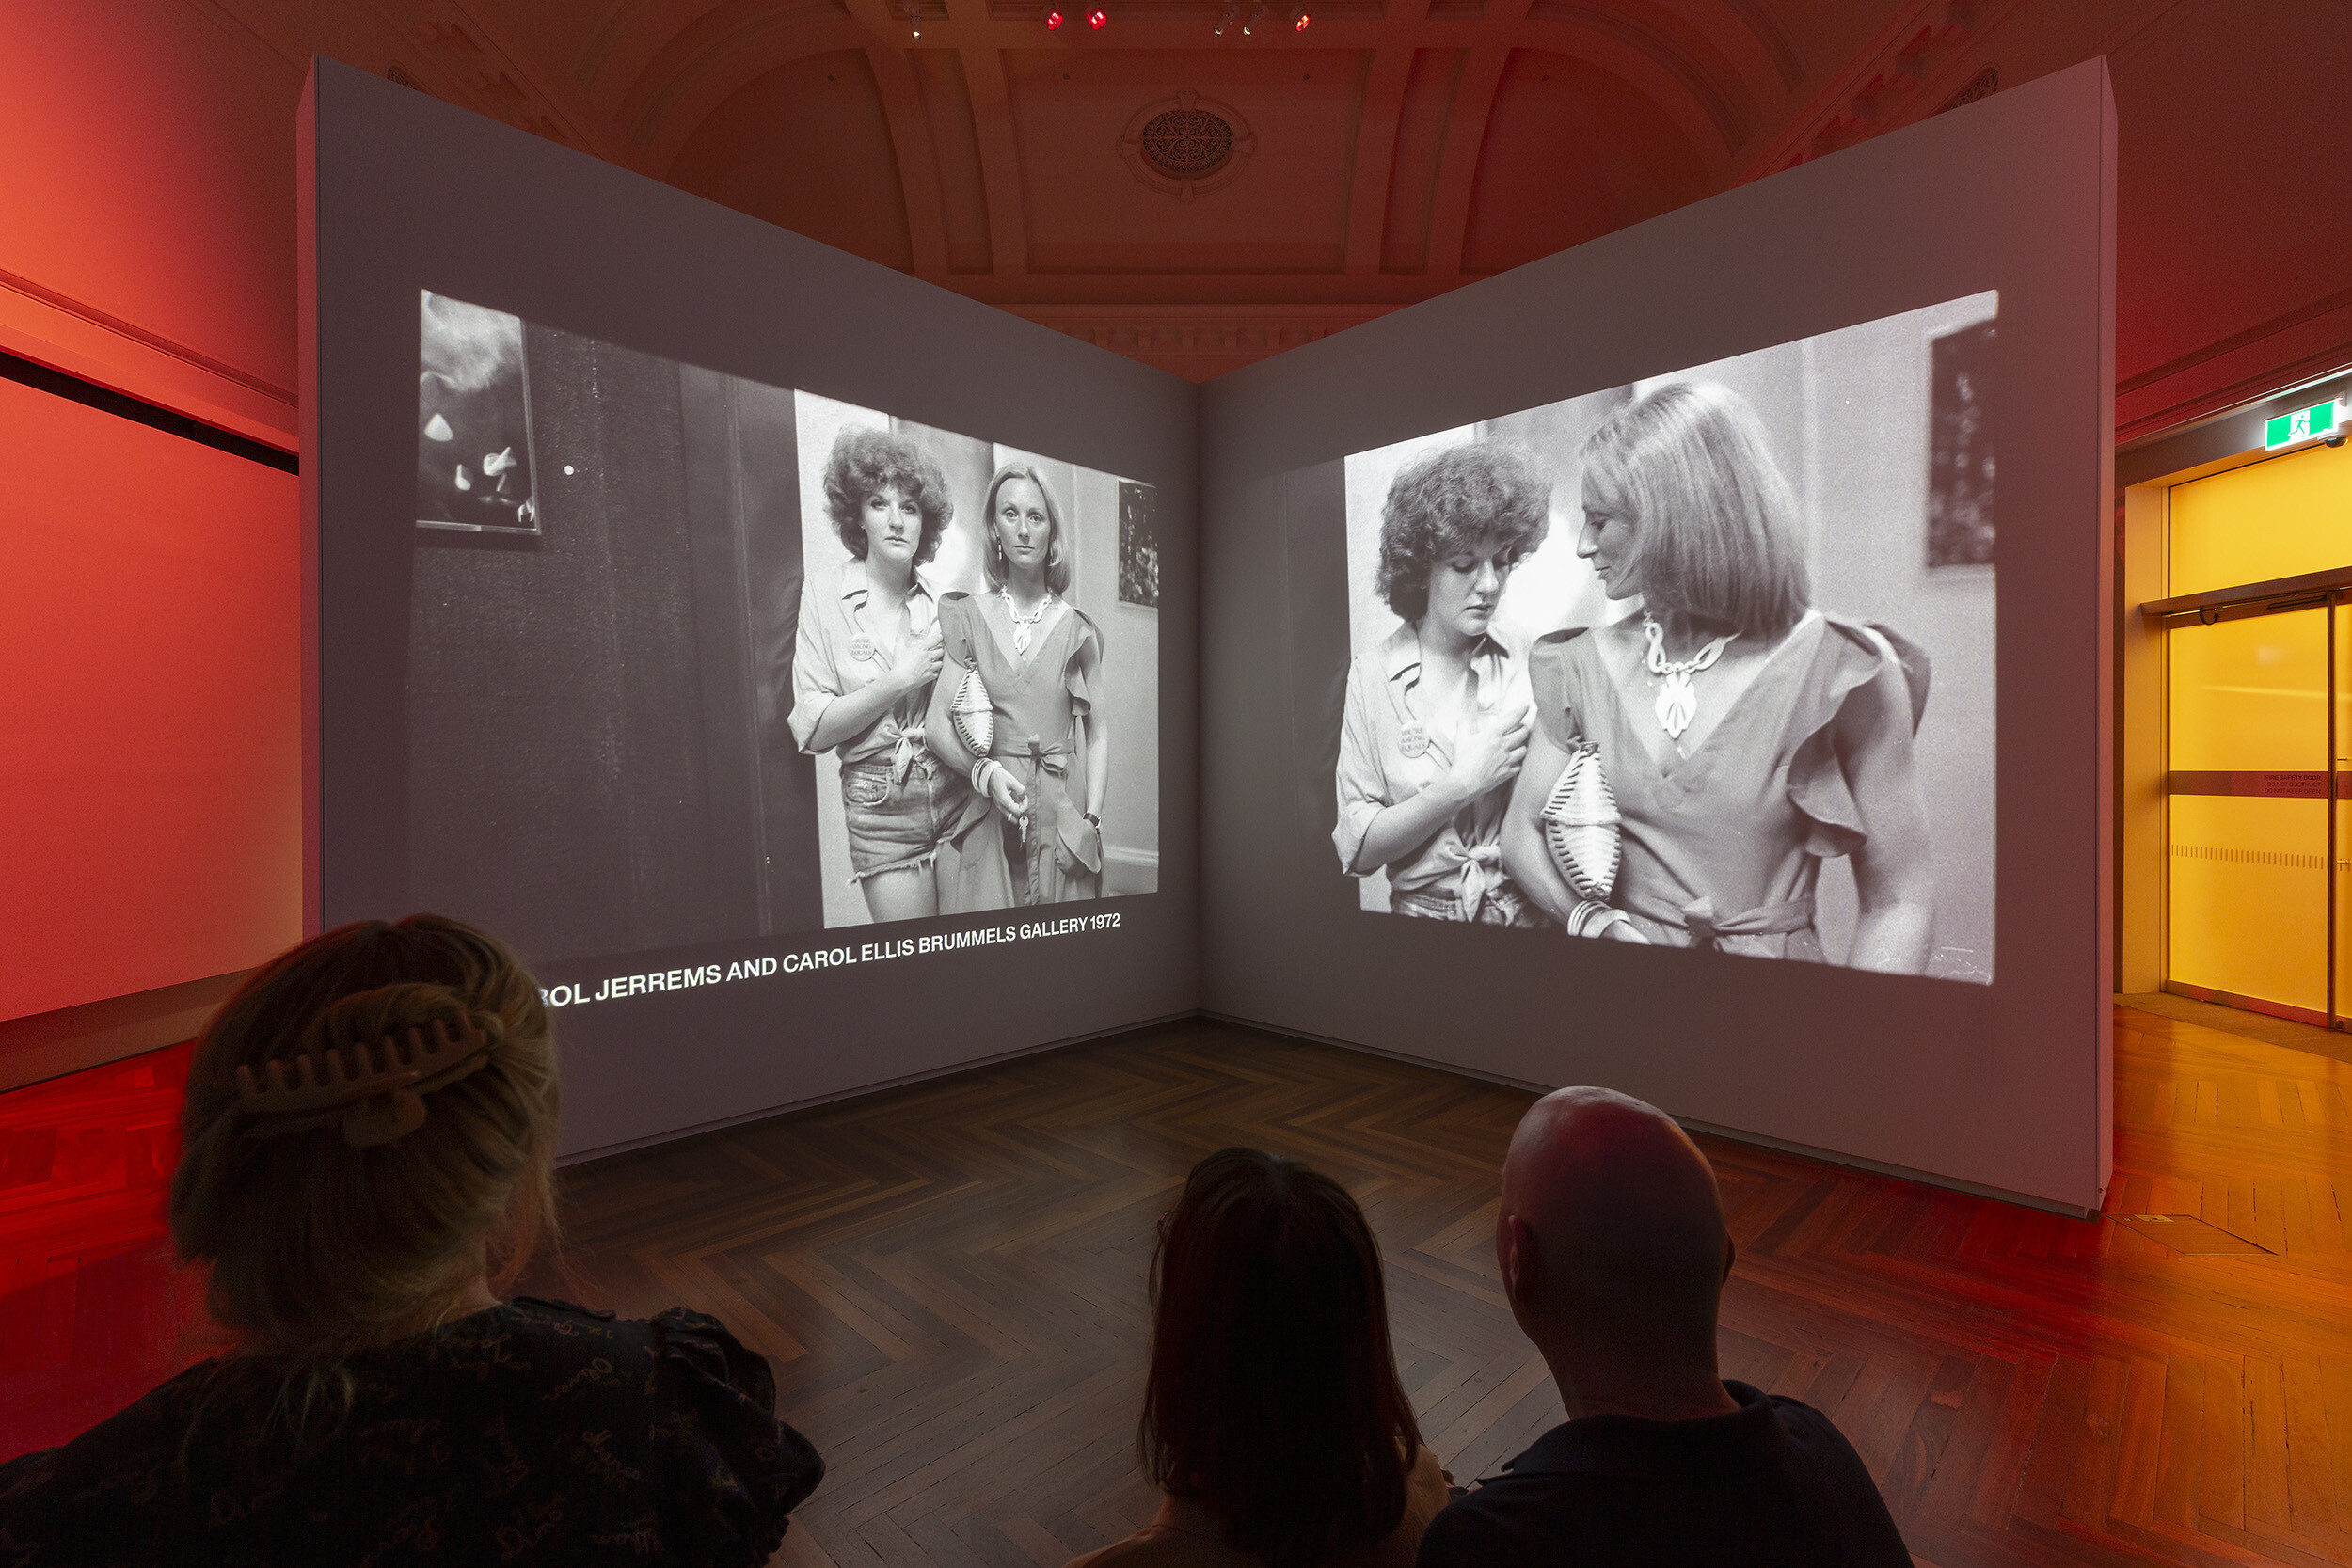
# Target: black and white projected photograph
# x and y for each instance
(763, 662)
(473, 420)
(1704, 661)
(979, 695)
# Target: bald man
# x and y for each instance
(1614, 1251)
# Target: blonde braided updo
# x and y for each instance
(318, 1247)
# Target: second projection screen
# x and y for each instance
(1703, 661)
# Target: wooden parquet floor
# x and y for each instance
(950, 1281)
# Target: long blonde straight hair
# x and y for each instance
(1719, 534)
(318, 1248)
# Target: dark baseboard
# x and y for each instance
(48, 1045)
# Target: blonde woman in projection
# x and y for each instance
(1037, 751)
(1747, 735)
(1436, 724)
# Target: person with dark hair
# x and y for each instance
(1611, 1240)
(868, 653)
(370, 1140)
(1026, 662)
(1746, 735)
(1273, 1422)
(1436, 719)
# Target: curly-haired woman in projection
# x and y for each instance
(866, 658)
(1036, 823)
(1747, 734)
(370, 1141)
(1436, 721)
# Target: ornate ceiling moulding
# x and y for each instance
(1252, 330)
(1187, 144)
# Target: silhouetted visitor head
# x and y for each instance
(331, 1224)
(1610, 1234)
(1685, 505)
(1274, 1402)
(1469, 512)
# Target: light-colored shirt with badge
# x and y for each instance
(838, 653)
(1391, 749)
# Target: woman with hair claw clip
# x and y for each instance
(368, 1166)
(1016, 705)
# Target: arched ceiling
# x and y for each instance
(1400, 148)
(1394, 148)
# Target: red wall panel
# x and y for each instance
(151, 175)
(150, 741)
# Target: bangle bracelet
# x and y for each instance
(980, 774)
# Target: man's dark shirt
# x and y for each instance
(1770, 1483)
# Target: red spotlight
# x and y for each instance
(1303, 20)
(1098, 19)
(1053, 22)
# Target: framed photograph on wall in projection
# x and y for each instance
(475, 471)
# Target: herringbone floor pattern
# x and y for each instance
(948, 1279)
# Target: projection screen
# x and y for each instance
(1828, 505)
(1678, 664)
(792, 660)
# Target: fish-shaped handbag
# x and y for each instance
(970, 713)
(1581, 824)
(973, 715)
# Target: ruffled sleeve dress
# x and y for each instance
(1722, 849)
(1037, 698)
(534, 1431)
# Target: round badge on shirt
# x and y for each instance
(1413, 741)
(862, 646)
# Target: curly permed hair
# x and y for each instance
(1454, 499)
(867, 461)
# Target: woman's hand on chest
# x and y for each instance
(1490, 746)
(917, 662)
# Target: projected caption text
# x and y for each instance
(655, 982)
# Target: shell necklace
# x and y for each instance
(1678, 700)
(1024, 624)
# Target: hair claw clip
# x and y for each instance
(375, 1089)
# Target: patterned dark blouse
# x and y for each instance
(533, 1433)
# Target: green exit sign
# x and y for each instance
(2320, 419)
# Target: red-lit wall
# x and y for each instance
(149, 774)
(149, 586)
(146, 204)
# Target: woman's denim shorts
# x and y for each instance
(895, 824)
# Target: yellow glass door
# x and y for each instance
(2257, 685)
(2340, 783)
(2250, 901)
